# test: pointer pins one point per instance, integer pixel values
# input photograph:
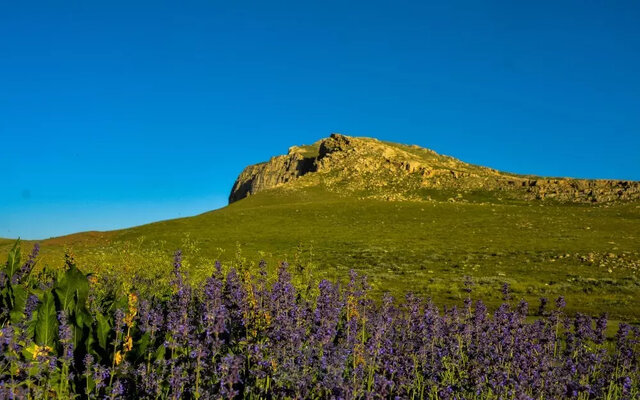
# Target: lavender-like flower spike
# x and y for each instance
(244, 337)
(119, 321)
(506, 296)
(177, 269)
(65, 335)
(543, 305)
(30, 306)
(601, 327)
(229, 371)
(87, 362)
(117, 391)
(468, 284)
(26, 268)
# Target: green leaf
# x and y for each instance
(81, 323)
(47, 321)
(13, 260)
(141, 345)
(102, 330)
(19, 295)
(90, 384)
(160, 353)
(28, 351)
(72, 288)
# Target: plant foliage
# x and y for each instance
(240, 336)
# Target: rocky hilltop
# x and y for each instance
(371, 168)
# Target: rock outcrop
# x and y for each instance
(278, 170)
(374, 169)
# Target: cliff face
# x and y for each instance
(278, 170)
(374, 169)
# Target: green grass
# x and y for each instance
(425, 247)
(309, 150)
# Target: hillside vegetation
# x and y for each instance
(239, 336)
(369, 168)
(408, 218)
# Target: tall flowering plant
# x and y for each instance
(238, 336)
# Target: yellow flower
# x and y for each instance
(358, 354)
(41, 351)
(128, 343)
(352, 308)
(133, 310)
(267, 318)
(118, 357)
(251, 298)
(133, 300)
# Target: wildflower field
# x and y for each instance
(588, 254)
(248, 336)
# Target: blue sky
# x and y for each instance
(114, 114)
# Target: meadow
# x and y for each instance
(244, 335)
(308, 293)
(587, 253)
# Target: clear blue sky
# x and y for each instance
(114, 114)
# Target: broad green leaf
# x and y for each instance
(71, 288)
(19, 295)
(140, 346)
(47, 321)
(5, 300)
(13, 260)
(160, 352)
(90, 384)
(102, 330)
(81, 322)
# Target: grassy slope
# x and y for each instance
(426, 247)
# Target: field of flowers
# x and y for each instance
(243, 336)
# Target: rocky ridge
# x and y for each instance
(371, 168)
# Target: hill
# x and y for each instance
(369, 168)
(411, 219)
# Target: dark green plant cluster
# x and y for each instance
(238, 336)
(47, 328)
